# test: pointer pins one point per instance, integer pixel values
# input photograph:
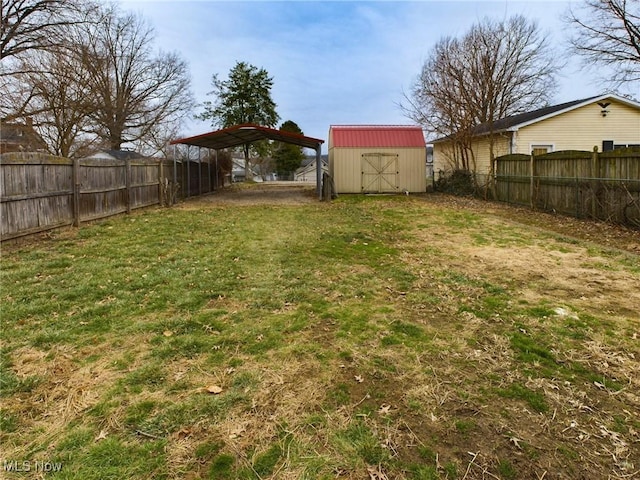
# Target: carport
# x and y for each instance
(249, 133)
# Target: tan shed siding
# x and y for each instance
(346, 168)
(413, 171)
(330, 156)
(583, 128)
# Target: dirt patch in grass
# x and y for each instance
(271, 193)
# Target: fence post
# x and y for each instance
(531, 175)
(127, 179)
(75, 174)
(577, 199)
(492, 176)
(160, 182)
(594, 182)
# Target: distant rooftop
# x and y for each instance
(117, 154)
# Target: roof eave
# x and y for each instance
(587, 101)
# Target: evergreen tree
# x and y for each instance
(288, 157)
(245, 97)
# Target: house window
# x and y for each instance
(607, 145)
(541, 149)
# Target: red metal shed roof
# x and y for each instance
(246, 133)
(376, 136)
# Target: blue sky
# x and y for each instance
(340, 62)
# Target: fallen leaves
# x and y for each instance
(516, 441)
(101, 436)
(237, 431)
(376, 473)
(214, 389)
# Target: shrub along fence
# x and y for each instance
(39, 192)
(604, 186)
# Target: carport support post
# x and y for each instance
(188, 172)
(319, 171)
(199, 172)
(175, 173)
(209, 171)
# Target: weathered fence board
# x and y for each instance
(604, 186)
(39, 192)
(36, 192)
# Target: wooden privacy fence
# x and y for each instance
(39, 192)
(604, 186)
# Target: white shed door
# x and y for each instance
(379, 173)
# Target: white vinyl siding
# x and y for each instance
(583, 128)
(443, 159)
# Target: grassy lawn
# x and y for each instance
(372, 337)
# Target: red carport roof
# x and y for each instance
(246, 133)
(377, 136)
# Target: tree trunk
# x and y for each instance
(247, 170)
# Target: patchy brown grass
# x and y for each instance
(369, 338)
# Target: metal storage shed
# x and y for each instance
(377, 158)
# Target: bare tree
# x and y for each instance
(157, 141)
(35, 24)
(437, 100)
(606, 33)
(134, 89)
(30, 27)
(101, 83)
(55, 100)
(497, 69)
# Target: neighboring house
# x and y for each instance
(19, 137)
(606, 122)
(429, 161)
(377, 158)
(307, 171)
(115, 155)
(238, 170)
